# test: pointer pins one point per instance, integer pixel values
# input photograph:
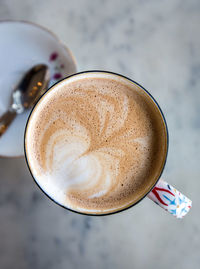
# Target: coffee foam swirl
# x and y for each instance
(93, 143)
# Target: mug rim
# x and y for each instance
(166, 153)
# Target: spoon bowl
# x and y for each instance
(26, 93)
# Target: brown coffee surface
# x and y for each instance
(96, 144)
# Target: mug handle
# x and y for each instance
(170, 199)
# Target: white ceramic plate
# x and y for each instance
(23, 45)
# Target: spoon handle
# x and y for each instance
(5, 120)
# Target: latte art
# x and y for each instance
(94, 143)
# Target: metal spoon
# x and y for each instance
(26, 93)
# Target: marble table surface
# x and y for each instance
(157, 44)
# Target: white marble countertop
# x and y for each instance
(156, 43)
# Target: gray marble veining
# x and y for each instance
(156, 43)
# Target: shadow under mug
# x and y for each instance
(160, 192)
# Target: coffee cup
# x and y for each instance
(96, 143)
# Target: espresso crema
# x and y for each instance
(96, 143)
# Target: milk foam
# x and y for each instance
(93, 142)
